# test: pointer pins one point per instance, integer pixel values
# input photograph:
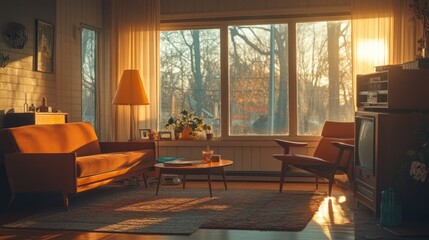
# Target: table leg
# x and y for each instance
(282, 176)
(184, 181)
(159, 181)
(224, 179)
(144, 180)
(210, 184)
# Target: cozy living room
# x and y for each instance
(214, 119)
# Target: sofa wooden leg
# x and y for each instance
(145, 180)
(66, 201)
(12, 197)
(184, 181)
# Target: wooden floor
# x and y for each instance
(337, 218)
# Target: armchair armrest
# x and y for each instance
(31, 172)
(344, 146)
(287, 144)
(108, 147)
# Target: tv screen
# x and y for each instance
(365, 143)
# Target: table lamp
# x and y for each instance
(131, 92)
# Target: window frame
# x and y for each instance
(292, 95)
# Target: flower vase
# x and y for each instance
(176, 135)
(186, 134)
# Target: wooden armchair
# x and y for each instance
(333, 153)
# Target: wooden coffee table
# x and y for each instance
(203, 168)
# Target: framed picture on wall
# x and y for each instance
(44, 47)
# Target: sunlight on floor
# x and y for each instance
(331, 213)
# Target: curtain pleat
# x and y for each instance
(381, 34)
(133, 44)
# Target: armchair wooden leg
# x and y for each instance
(282, 176)
(317, 183)
(331, 182)
(66, 201)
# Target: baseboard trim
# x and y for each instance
(259, 176)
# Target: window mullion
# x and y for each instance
(224, 82)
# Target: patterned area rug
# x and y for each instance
(135, 209)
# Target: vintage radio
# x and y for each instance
(393, 89)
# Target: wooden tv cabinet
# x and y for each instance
(391, 99)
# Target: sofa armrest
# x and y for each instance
(35, 172)
(108, 147)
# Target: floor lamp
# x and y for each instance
(131, 92)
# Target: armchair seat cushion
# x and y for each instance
(101, 163)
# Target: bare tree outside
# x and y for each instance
(190, 74)
(325, 90)
(258, 79)
(88, 75)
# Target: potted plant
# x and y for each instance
(187, 124)
(420, 11)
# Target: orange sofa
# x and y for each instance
(68, 158)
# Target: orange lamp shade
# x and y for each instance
(130, 90)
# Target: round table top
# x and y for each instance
(221, 163)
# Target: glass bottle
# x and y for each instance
(207, 155)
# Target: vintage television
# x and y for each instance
(381, 142)
(365, 139)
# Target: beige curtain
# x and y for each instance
(132, 42)
(381, 34)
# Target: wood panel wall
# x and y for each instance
(19, 76)
(172, 10)
(71, 14)
(248, 156)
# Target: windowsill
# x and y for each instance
(226, 143)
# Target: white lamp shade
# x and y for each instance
(130, 90)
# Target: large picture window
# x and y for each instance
(283, 79)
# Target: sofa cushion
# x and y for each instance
(101, 163)
(56, 138)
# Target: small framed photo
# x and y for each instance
(44, 47)
(144, 133)
(164, 135)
